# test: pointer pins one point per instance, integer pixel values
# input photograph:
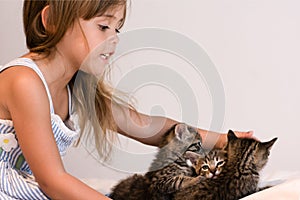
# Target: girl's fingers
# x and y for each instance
(248, 134)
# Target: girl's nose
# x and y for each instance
(115, 39)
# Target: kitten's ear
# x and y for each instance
(192, 156)
(269, 144)
(231, 135)
(180, 130)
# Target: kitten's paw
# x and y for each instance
(200, 179)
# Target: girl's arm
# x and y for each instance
(28, 106)
(149, 129)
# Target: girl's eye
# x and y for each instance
(103, 27)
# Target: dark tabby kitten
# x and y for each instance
(168, 172)
(209, 165)
(131, 188)
(240, 176)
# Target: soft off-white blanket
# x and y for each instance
(289, 190)
(286, 186)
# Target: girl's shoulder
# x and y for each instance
(17, 78)
(21, 85)
(20, 73)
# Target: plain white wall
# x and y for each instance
(254, 45)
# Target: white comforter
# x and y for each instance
(287, 186)
(289, 190)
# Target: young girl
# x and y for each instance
(37, 113)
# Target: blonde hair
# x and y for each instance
(93, 98)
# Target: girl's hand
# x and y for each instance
(222, 141)
(241, 134)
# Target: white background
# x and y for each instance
(255, 47)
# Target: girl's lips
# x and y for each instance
(105, 56)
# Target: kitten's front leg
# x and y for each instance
(175, 183)
(187, 181)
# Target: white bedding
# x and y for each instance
(287, 186)
(289, 190)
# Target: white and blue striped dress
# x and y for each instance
(16, 179)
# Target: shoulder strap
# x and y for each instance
(31, 64)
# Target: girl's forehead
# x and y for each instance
(116, 12)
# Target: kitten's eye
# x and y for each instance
(117, 30)
(198, 147)
(103, 27)
(220, 163)
(205, 167)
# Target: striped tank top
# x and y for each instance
(16, 179)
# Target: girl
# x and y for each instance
(36, 109)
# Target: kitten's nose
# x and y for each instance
(213, 170)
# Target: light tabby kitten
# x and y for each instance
(169, 171)
(240, 176)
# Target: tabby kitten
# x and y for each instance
(131, 188)
(240, 176)
(209, 165)
(168, 172)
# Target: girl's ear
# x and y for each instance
(45, 17)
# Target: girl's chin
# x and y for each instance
(93, 72)
(95, 67)
(104, 60)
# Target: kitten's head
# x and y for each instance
(175, 143)
(208, 165)
(249, 152)
(182, 137)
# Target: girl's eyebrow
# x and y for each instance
(111, 16)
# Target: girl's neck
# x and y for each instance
(55, 69)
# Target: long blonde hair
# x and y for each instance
(92, 98)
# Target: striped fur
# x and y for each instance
(210, 164)
(168, 172)
(240, 176)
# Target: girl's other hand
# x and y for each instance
(240, 134)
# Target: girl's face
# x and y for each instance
(89, 44)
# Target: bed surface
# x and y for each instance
(286, 186)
